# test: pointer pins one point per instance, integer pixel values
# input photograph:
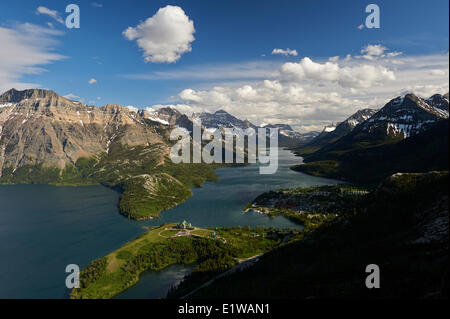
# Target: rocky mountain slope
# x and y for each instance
(402, 227)
(400, 118)
(420, 153)
(407, 135)
(406, 116)
(287, 137)
(46, 138)
(350, 123)
(439, 102)
(41, 127)
(329, 135)
(222, 119)
(168, 116)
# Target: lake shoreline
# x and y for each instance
(86, 222)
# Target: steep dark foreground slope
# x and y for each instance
(402, 227)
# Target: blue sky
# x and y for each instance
(231, 51)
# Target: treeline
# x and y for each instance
(212, 257)
(90, 274)
(208, 253)
(241, 242)
(137, 202)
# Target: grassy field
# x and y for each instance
(156, 249)
(168, 233)
(202, 232)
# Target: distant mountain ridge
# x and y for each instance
(439, 101)
(331, 135)
(41, 127)
(15, 96)
(407, 116)
(288, 137)
(168, 116)
(222, 118)
(284, 127)
(48, 139)
(371, 149)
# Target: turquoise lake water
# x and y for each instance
(44, 228)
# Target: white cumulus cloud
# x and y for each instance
(375, 51)
(372, 51)
(357, 76)
(92, 81)
(312, 93)
(164, 37)
(438, 72)
(285, 52)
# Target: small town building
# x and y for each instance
(184, 225)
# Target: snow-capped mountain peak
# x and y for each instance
(407, 116)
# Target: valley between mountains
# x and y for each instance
(48, 139)
(408, 134)
(393, 208)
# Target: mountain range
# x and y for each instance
(41, 127)
(220, 119)
(331, 134)
(383, 142)
(46, 138)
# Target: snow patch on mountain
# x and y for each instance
(153, 115)
(408, 115)
(132, 108)
(157, 119)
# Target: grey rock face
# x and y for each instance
(41, 127)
